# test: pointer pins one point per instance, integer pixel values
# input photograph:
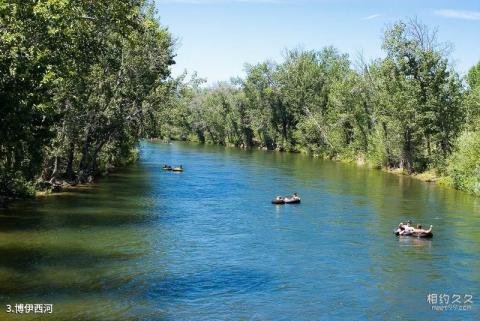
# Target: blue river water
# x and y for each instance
(206, 244)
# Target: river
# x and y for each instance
(206, 244)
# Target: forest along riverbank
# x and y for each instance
(207, 244)
(78, 110)
(410, 110)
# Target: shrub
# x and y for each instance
(464, 163)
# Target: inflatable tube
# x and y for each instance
(415, 234)
(292, 201)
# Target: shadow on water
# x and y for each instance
(51, 290)
(119, 200)
(28, 259)
(217, 281)
(163, 291)
(106, 218)
(77, 244)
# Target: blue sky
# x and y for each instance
(217, 37)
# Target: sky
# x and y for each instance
(216, 38)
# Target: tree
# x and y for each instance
(472, 100)
(419, 97)
(261, 99)
(80, 82)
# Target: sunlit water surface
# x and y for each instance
(206, 244)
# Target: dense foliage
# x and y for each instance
(408, 110)
(464, 163)
(80, 82)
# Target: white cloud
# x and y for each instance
(458, 14)
(373, 16)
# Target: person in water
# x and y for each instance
(419, 229)
(405, 229)
(400, 229)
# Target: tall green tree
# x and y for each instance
(419, 95)
(80, 83)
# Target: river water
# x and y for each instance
(206, 244)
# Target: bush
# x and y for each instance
(464, 163)
(15, 185)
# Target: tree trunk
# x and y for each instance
(429, 149)
(387, 149)
(407, 161)
(248, 137)
(55, 170)
(86, 146)
(95, 154)
(201, 136)
(69, 171)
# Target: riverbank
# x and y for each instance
(60, 186)
(67, 190)
(430, 176)
(57, 189)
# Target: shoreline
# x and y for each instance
(429, 176)
(62, 187)
(65, 190)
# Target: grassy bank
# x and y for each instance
(431, 176)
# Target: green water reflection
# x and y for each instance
(145, 244)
